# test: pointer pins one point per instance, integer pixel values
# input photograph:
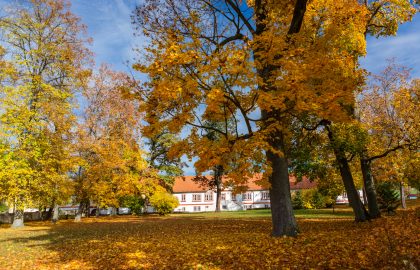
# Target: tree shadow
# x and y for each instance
(194, 242)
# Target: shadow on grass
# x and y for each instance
(183, 241)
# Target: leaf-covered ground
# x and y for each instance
(213, 242)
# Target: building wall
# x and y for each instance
(188, 201)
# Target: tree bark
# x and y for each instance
(55, 216)
(360, 213)
(402, 193)
(218, 174)
(365, 200)
(78, 217)
(18, 218)
(19, 214)
(373, 207)
(48, 214)
(283, 219)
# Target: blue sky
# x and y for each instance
(109, 24)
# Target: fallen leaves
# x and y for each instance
(194, 242)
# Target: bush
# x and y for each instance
(163, 202)
(3, 207)
(135, 203)
(297, 200)
(308, 199)
(388, 197)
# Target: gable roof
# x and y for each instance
(185, 184)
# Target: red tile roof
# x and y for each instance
(185, 184)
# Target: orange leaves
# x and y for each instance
(205, 242)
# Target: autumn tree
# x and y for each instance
(384, 18)
(260, 64)
(111, 162)
(388, 111)
(44, 42)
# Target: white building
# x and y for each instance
(193, 197)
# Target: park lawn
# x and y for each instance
(341, 212)
(203, 241)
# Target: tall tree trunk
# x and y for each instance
(373, 207)
(402, 193)
(18, 217)
(113, 211)
(55, 216)
(218, 174)
(79, 212)
(48, 214)
(360, 212)
(87, 208)
(365, 200)
(283, 219)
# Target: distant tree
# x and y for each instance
(389, 113)
(111, 162)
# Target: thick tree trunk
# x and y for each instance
(402, 193)
(113, 211)
(284, 222)
(360, 213)
(218, 174)
(370, 188)
(55, 216)
(18, 219)
(97, 211)
(218, 198)
(48, 214)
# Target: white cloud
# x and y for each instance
(109, 24)
(405, 48)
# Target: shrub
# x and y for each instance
(308, 199)
(3, 207)
(135, 203)
(163, 202)
(318, 200)
(297, 200)
(388, 197)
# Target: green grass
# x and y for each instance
(342, 212)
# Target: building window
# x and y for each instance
(196, 198)
(247, 196)
(233, 197)
(224, 207)
(208, 196)
(183, 197)
(183, 209)
(197, 208)
(265, 195)
(223, 196)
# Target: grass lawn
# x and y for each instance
(229, 240)
(340, 212)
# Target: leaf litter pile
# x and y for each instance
(212, 243)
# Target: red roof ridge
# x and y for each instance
(185, 184)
